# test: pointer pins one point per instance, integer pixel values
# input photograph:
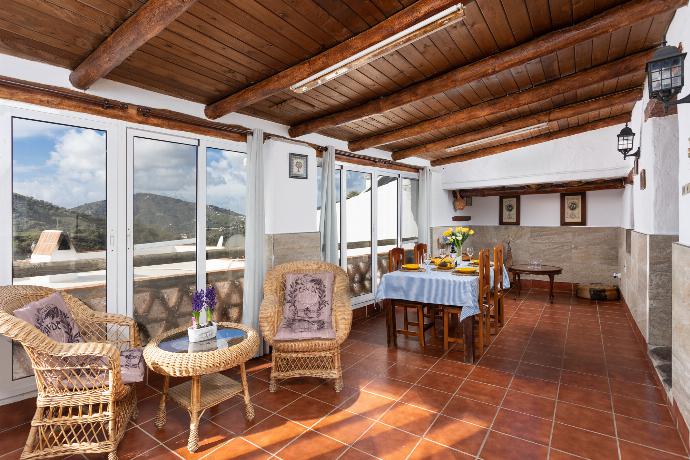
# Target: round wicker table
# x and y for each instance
(172, 355)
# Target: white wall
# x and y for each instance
(604, 209)
(679, 32)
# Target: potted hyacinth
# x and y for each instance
(203, 300)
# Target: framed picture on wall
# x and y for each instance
(509, 212)
(298, 166)
(574, 208)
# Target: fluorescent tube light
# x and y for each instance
(421, 29)
(498, 137)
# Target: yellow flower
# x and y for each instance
(471, 232)
(465, 229)
(457, 229)
(447, 232)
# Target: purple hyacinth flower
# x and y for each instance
(211, 298)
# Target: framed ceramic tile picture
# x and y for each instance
(574, 208)
(298, 166)
(509, 212)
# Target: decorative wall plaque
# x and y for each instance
(574, 208)
(509, 212)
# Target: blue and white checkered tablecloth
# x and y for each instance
(435, 287)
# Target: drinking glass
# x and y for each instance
(470, 252)
(427, 261)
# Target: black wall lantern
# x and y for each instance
(625, 143)
(665, 75)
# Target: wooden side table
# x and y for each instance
(546, 270)
(172, 355)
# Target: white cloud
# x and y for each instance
(165, 168)
(226, 181)
(23, 129)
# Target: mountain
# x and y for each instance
(156, 218)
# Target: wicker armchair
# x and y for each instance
(305, 358)
(82, 404)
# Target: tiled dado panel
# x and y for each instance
(288, 247)
(681, 330)
(645, 266)
(587, 254)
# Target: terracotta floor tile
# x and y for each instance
(455, 368)
(523, 426)
(301, 384)
(355, 454)
(631, 375)
(240, 449)
(441, 382)
(490, 376)
(306, 410)
(427, 450)
(211, 437)
(275, 401)
(387, 442)
(644, 410)
(584, 397)
(529, 404)
(635, 390)
(389, 388)
(344, 426)
(408, 418)
(558, 455)
(273, 433)
(498, 363)
(177, 420)
(583, 443)
(586, 418)
(459, 435)
(591, 382)
(630, 451)
(502, 447)
(538, 372)
(426, 398)
(312, 445)
(543, 359)
(538, 387)
(405, 373)
(17, 413)
(234, 419)
(367, 404)
(650, 434)
(159, 453)
(14, 438)
(483, 392)
(471, 411)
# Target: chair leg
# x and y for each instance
(480, 339)
(420, 326)
(445, 329)
(406, 322)
(432, 313)
(501, 318)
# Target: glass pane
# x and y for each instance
(58, 213)
(410, 209)
(164, 214)
(386, 221)
(358, 210)
(226, 208)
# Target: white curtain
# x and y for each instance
(424, 204)
(327, 225)
(255, 258)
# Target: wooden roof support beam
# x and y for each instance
(595, 75)
(560, 113)
(419, 11)
(608, 21)
(588, 185)
(146, 23)
(485, 152)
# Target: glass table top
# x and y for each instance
(225, 338)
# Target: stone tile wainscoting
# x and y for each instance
(565, 247)
(681, 338)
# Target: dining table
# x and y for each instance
(433, 286)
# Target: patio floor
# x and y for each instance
(560, 381)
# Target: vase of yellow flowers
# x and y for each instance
(456, 237)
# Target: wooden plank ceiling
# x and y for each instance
(218, 47)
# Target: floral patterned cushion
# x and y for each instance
(51, 316)
(132, 365)
(308, 307)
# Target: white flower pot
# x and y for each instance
(202, 333)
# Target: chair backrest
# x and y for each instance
(484, 275)
(396, 258)
(498, 268)
(419, 250)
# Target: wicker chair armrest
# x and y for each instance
(119, 320)
(109, 352)
(342, 312)
(268, 316)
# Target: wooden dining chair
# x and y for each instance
(419, 250)
(396, 257)
(497, 290)
(485, 304)
(449, 312)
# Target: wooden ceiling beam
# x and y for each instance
(493, 150)
(408, 17)
(146, 23)
(595, 75)
(560, 113)
(589, 185)
(615, 18)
